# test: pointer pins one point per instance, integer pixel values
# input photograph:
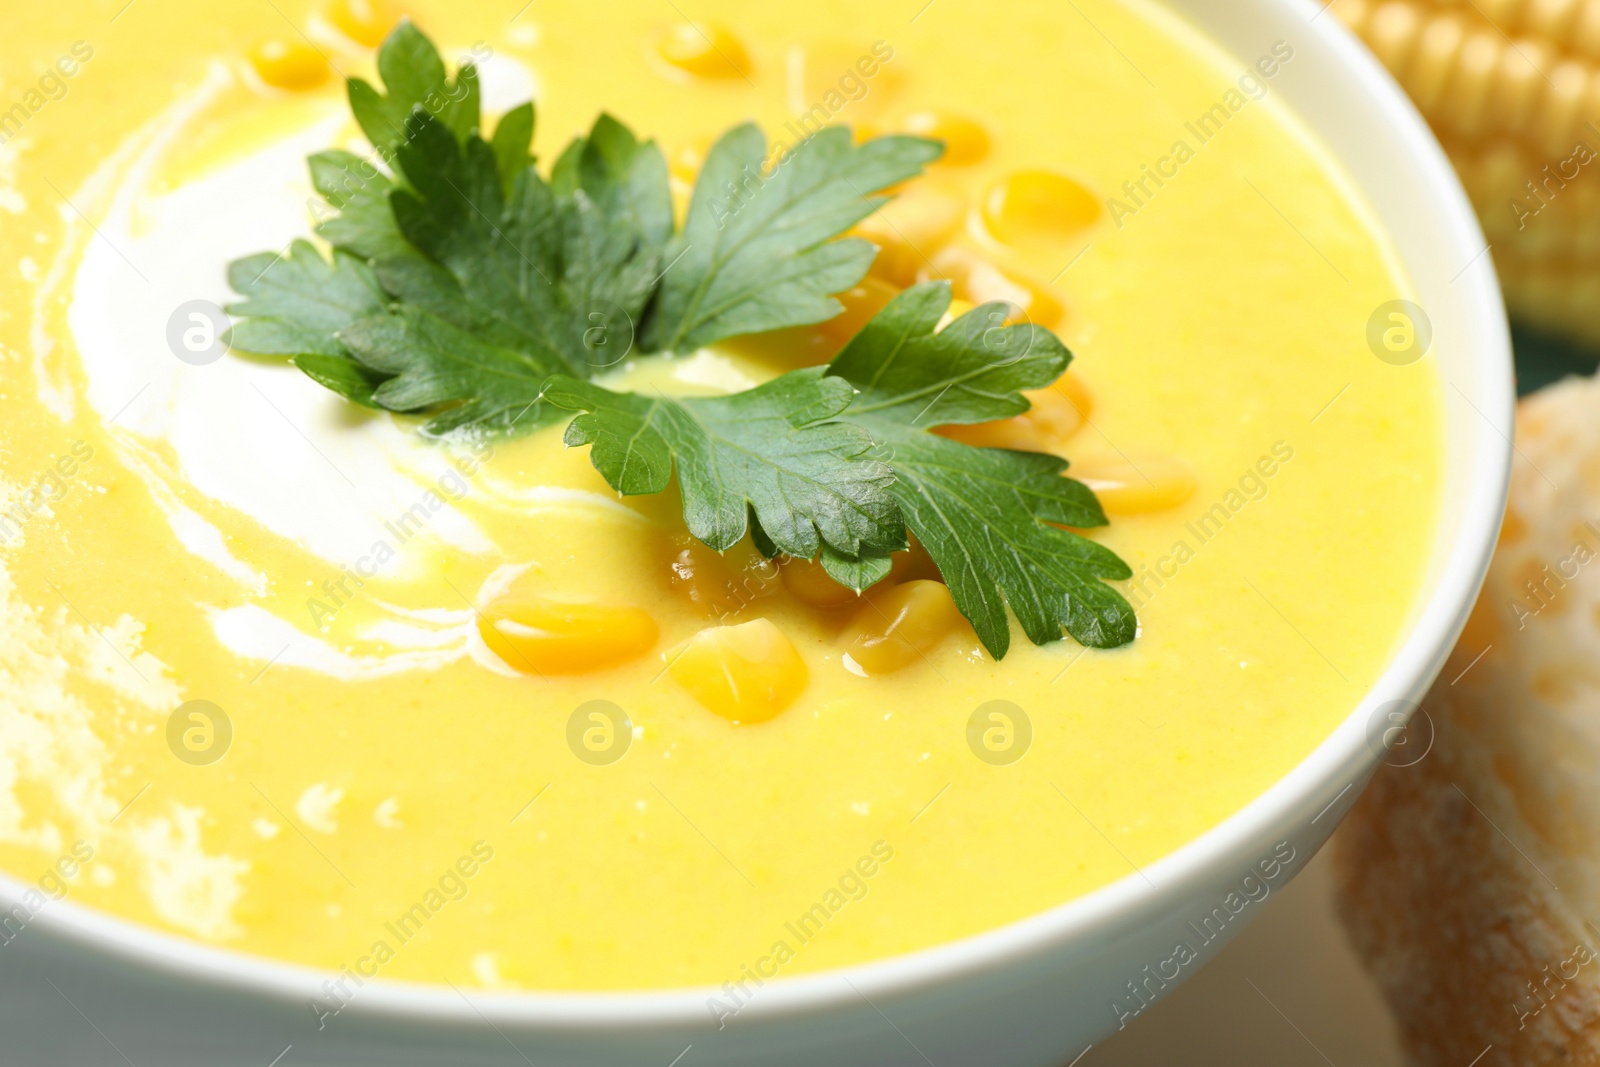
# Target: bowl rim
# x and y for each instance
(1116, 906)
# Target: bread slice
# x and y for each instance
(1470, 879)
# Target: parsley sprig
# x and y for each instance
(464, 285)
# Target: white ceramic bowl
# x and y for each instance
(1031, 994)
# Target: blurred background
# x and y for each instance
(1512, 90)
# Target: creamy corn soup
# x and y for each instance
(282, 675)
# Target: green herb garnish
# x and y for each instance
(466, 286)
(983, 514)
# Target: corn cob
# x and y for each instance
(1512, 89)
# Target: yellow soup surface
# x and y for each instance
(279, 674)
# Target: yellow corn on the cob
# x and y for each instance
(1512, 89)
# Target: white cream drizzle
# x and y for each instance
(254, 435)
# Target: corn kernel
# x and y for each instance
(1507, 87)
(1077, 393)
(1029, 300)
(978, 281)
(811, 585)
(1393, 33)
(1053, 413)
(1037, 206)
(860, 304)
(911, 228)
(746, 673)
(365, 22)
(536, 635)
(965, 140)
(900, 626)
(700, 575)
(288, 64)
(704, 50)
(838, 75)
(1042, 428)
(1137, 487)
(719, 584)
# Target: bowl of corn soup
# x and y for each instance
(748, 534)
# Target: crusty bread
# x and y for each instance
(1470, 880)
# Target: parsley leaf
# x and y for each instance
(431, 361)
(416, 80)
(363, 225)
(296, 304)
(496, 293)
(466, 286)
(560, 277)
(415, 77)
(757, 250)
(513, 144)
(991, 518)
(568, 275)
(771, 451)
